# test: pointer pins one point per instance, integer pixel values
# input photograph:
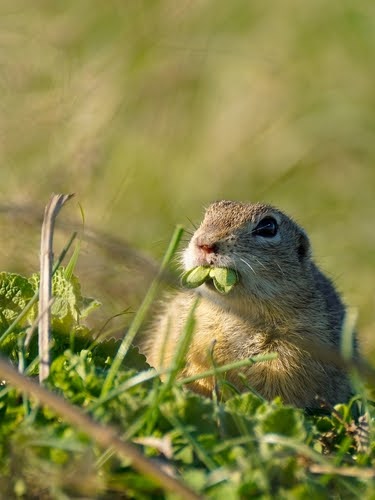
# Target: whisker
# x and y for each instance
(259, 262)
(247, 264)
(278, 265)
(192, 223)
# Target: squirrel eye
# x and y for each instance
(267, 228)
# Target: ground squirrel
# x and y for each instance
(281, 304)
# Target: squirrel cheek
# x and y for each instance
(188, 258)
(192, 257)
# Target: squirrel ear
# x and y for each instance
(303, 247)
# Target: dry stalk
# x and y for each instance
(46, 261)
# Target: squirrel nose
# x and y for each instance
(208, 248)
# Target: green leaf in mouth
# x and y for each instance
(195, 277)
(223, 278)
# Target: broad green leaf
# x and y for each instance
(195, 277)
(15, 293)
(282, 420)
(224, 279)
(69, 305)
(243, 404)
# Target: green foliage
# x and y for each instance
(245, 100)
(15, 292)
(67, 311)
(69, 306)
(239, 448)
(195, 277)
(223, 279)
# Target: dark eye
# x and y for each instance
(267, 228)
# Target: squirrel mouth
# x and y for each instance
(210, 283)
(221, 278)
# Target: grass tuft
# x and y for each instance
(105, 426)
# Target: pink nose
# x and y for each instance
(208, 248)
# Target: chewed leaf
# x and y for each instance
(224, 279)
(222, 288)
(195, 277)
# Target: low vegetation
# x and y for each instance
(240, 447)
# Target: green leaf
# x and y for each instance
(69, 305)
(88, 304)
(195, 277)
(15, 293)
(224, 279)
(283, 420)
(243, 404)
(134, 359)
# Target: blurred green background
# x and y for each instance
(149, 110)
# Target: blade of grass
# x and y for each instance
(347, 334)
(347, 352)
(172, 371)
(69, 268)
(198, 448)
(132, 382)
(182, 346)
(142, 312)
(230, 366)
(347, 471)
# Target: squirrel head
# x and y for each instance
(269, 251)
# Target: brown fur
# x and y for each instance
(281, 303)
